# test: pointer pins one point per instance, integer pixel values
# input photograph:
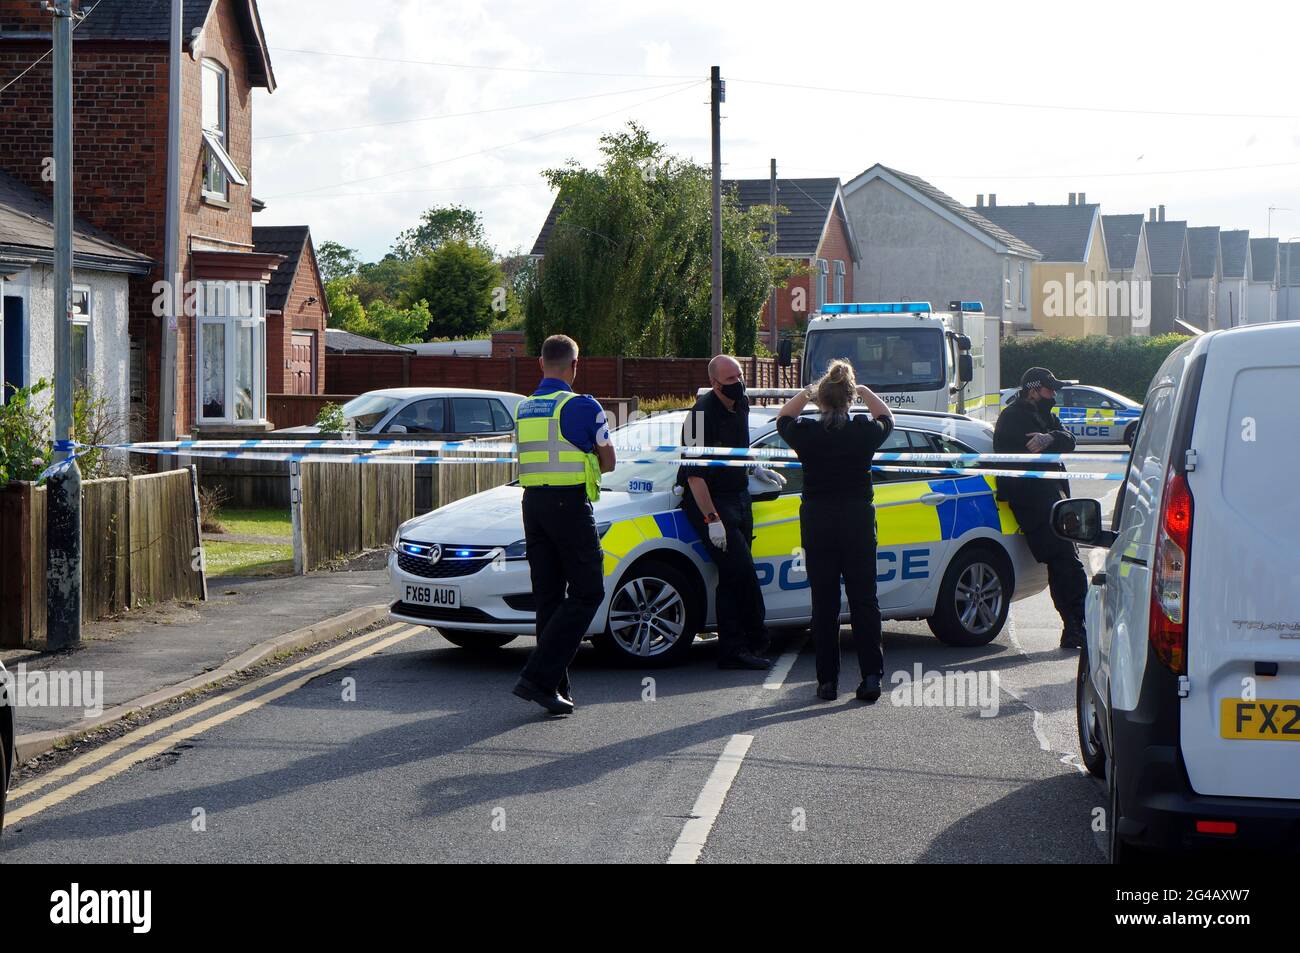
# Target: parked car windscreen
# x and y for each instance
(887, 359)
(364, 412)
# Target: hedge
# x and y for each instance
(1125, 365)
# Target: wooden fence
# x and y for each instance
(300, 410)
(139, 537)
(344, 509)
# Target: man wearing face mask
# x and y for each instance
(1027, 425)
(717, 503)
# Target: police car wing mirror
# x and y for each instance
(1079, 520)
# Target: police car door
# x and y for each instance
(1090, 416)
(911, 541)
(778, 559)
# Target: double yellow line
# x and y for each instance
(76, 769)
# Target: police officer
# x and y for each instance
(563, 445)
(1027, 424)
(717, 503)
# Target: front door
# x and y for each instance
(302, 363)
(11, 348)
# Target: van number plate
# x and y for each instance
(1262, 719)
(443, 597)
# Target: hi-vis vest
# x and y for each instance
(545, 457)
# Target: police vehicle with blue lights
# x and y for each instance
(1093, 414)
(914, 357)
(948, 552)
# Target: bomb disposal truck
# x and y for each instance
(915, 358)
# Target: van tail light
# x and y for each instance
(1168, 627)
(1222, 828)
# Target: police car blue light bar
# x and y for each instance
(878, 307)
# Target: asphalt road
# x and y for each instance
(397, 746)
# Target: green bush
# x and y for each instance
(331, 419)
(24, 433)
(1125, 365)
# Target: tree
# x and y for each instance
(336, 261)
(438, 225)
(345, 308)
(627, 267)
(382, 280)
(381, 320)
(460, 282)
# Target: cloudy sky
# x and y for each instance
(387, 107)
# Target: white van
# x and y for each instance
(1189, 689)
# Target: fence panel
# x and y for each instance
(300, 410)
(105, 547)
(164, 538)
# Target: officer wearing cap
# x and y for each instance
(563, 444)
(1027, 425)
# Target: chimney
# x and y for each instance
(993, 199)
(979, 200)
(1151, 214)
(1162, 213)
(1083, 199)
(1072, 197)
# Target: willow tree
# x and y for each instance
(627, 267)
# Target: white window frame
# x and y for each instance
(86, 321)
(216, 135)
(823, 269)
(838, 285)
(213, 309)
(1024, 286)
(1006, 282)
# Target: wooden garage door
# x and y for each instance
(301, 372)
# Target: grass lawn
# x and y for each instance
(247, 559)
(256, 522)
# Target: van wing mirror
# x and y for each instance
(965, 368)
(1079, 520)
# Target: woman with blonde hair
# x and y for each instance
(837, 520)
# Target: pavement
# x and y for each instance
(393, 745)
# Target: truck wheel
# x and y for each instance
(974, 598)
(654, 616)
(477, 641)
(1091, 751)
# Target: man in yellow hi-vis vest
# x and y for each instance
(563, 444)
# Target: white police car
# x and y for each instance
(948, 552)
(1093, 414)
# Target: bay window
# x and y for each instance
(231, 352)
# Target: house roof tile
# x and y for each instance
(1060, 232)
(1263, 259)
(1123, 238)
(1235, 248)
(1203, 251)
(338, 341)
(1165, 244)
(286, 240)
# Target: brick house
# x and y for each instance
(814, 230)
(120, 103)
(296, 311)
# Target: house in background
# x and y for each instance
(102, 269)
(1288, 291)
(919, 244)
(1206, 264)
(1264, 273)
(121, 93)
(1130, 266)
(296, 311)
(814, 230)
(1167, 246)
(1234, 285)
(1067, 286)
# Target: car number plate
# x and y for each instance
(442, 597)
(1260, 719)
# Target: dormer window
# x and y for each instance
(219, 170)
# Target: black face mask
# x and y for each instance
(734, 391)
(1047, 403)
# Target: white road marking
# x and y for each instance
(690, 843)
(776, 677)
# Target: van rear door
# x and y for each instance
(1240, 721)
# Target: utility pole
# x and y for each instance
(63, 489)
(771, 250)
(171, 267)
(719, 93)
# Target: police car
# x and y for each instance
(948, 552)
(1093, 414)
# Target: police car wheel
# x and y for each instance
(974, 599)
(477, 641)
(1085, 704)
(653, 617)
(1130, 434)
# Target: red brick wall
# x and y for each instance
(834, 246)
(298, 316)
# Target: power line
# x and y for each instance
(1113, 175)
(473, 112)
(453, 188)
(503, 145)
(1011, 104)
(475, 66)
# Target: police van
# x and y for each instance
(913, 357)
(948, 552)
(1189, 689)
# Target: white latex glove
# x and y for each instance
(718, 535)
(770, 477)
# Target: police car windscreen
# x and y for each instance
(657, 431)
(885, 359)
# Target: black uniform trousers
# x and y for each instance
(739, 600)
(565, 561)
(839, 542)
(1066, 578)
